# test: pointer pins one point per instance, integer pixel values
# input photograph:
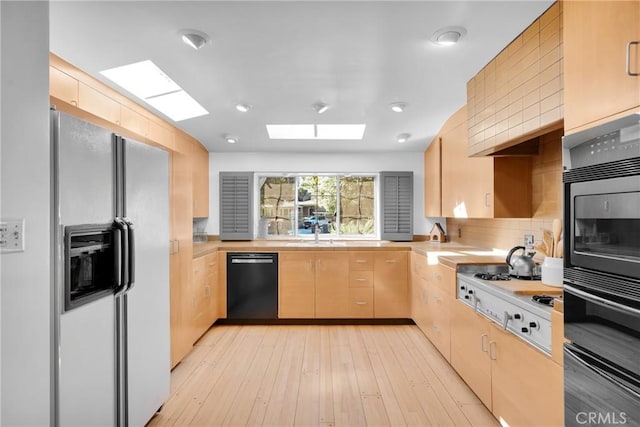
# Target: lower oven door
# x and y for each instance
(598, 393)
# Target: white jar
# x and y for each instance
(551, 271)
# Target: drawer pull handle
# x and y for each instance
(360, 279)
(391, 261)
(629, 72)
(361, 261)
(483, 347)
(361, 302)
(492, 345)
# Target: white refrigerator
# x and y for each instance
(111, 346)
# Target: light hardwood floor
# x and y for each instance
(318, 376)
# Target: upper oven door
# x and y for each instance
(605, 225)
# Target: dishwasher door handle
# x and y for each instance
(252, 261)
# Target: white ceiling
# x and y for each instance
(281, 57)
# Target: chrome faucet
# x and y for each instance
(317, 233)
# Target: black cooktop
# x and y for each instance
(503, 276)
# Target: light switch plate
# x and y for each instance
(528, 240)
(12, 235)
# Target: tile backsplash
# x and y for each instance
(546, 205)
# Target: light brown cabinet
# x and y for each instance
(204, 294)
(63, 86)
(332, 285)
(505, 372)
(597, 84)
(313, 285)
(296, 285)
(482, 187)
(181, 257)
(432, 179)
(200, 180)
(390, 284)
(335, 285)
(470, 350)
(433, 290)
(519, 94)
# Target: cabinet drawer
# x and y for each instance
(361, 302)
(360, 261)
(443, 279)
(361, 279)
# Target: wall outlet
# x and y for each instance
(528, 240)
(12, 235)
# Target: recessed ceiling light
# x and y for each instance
(231, 139)
(403, 137)
(320, 107)
(194, 38)
(149, 83)
(243, 108)
(398, 107)
(448, 36)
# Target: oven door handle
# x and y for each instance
(601, 301)
(576, 357)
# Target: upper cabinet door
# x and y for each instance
(597, 80)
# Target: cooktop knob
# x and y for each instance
(470, 291)
(517, 316)
(533, 324)
(525, 330)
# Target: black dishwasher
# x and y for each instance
(252, 285)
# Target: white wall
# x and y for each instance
(319, 162)
(25, 278)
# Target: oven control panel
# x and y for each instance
(512, 317)
(617, 140)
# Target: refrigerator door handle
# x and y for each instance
(132, 254)
(120, 290)
(117, 257)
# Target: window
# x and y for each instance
(336, 205)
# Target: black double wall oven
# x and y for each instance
(602, 274)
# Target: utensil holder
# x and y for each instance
(551, 271)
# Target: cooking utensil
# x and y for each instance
(541, 248)
(560, 249)
(557, 232)
(547, 239)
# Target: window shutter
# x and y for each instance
(397, 206)
(236, 213)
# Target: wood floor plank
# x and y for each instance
(411, 409)
(281, 407)
(325, 393)
(347, 402)
(439, 390)
(392, 407)
(256, 416)
(187, 400)
(307, 406)
(422, 389)
(215, 407)
(248, 391)
(318, 375)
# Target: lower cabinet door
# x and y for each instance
(296, 292)
(361, 303)
(526, 384)
(332, 286)
(470, 350)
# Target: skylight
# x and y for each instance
(317, 132)
(149, 83)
